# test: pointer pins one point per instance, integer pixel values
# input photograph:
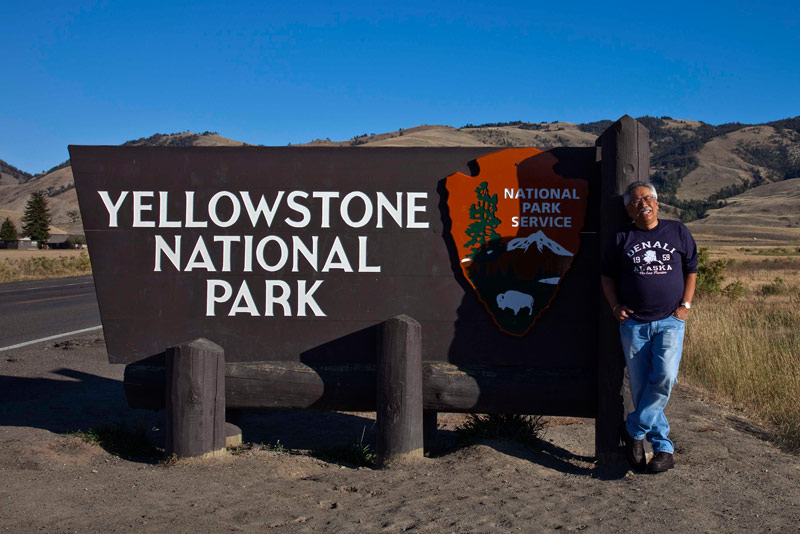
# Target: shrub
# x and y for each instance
(358, 454)
(777, 287)
(120, 440)
(527, 429)
(734, 290)
(44, 267)
(710, 274)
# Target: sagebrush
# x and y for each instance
(39, 267)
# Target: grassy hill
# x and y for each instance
(16, 186)
(10, 175)
(731, 181)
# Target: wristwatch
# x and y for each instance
(687, 305)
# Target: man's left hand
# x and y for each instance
(681, 313)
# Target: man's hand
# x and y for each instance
(681, 313)
(621, 312)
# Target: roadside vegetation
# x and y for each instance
(743, 338)
(39, 267)
(123, 441)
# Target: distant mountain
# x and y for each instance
(184, 139)
(700, 170)
(10, 175)
(16, 186)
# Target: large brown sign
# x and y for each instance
(298, 253)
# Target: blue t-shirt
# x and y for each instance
(649, 267)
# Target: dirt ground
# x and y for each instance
(728, 477)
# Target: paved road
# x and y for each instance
(42, 308)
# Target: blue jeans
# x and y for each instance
(652, 353)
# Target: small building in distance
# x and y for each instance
(24, 243)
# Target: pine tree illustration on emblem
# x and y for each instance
(482, 229)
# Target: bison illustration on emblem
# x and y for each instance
(515, 300)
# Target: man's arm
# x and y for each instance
(620, 311)
(689, 284)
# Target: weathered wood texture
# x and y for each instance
(507, 389)
(399, 390)
(446, 388)
(625, 158)
(290, 385)
(195, 399)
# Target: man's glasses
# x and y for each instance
(644, 200)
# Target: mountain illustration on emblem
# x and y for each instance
(516, 229)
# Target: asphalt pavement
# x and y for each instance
(42, 309)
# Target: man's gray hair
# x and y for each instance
(627, 195)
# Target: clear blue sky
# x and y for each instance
(83, 72)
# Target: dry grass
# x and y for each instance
(18, 265)
(746, 351)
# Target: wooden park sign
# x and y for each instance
(293, 259)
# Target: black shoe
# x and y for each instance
(634, 450)
(662, 461)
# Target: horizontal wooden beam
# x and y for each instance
(352, 387)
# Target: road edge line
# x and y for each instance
(48, 338)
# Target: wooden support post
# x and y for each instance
(399, 390)
(195, 399)
(625, 158)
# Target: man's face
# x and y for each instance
(643, 208)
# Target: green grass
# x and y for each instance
(120, 440)
(358, 454)
(526, 429)
(277, 447)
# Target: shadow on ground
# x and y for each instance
(79, 401)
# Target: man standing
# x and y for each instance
(649, 274)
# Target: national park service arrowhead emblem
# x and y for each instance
(516, 229)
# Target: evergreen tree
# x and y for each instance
(8, 231)
(484, 221)
(36, 219)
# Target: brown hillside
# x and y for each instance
(185, 139)
(7, 179)
(720, 166)
(546, 135)
(721, 163)
(543, 135)
(13, 198)
(426, 135)
(769, 213)
(60, 184)
(10, 175)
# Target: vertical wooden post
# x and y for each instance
(195, 399)
(399, 390)
(625, 158)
